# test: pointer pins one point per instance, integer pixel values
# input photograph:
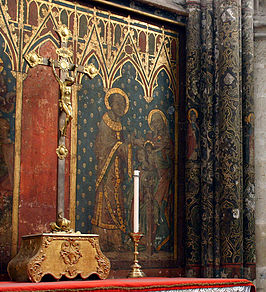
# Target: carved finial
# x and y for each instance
(61, 225)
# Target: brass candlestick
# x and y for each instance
(136, 271)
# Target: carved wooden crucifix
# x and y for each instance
(68, 73)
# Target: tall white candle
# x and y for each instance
(136, 202)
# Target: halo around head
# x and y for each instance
(154, 111)
(248, 118)
(119, 91)
(190, 111)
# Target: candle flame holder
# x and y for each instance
(136, 271)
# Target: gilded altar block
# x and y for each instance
(59, 255)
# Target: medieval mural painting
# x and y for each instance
(124, 119)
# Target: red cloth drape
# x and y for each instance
(137, 284)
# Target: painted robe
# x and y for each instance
(112, 155)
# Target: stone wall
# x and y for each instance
(260, 139)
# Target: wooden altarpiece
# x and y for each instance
(138, 53)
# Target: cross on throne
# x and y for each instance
(62, 252)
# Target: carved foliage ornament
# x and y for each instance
(61, 152)
(91, 70)
(33, 59)
(103, 263)
(70, 252)
(64, 33)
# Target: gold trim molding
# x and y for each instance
(15, 211)
(156, 17)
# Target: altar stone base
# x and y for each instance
(58, 254)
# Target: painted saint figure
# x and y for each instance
(163, 157)
(113, 155)
(149, 209)
(249, 149)
(193, 135)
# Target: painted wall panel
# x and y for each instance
(39, 140)
(125, 118)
